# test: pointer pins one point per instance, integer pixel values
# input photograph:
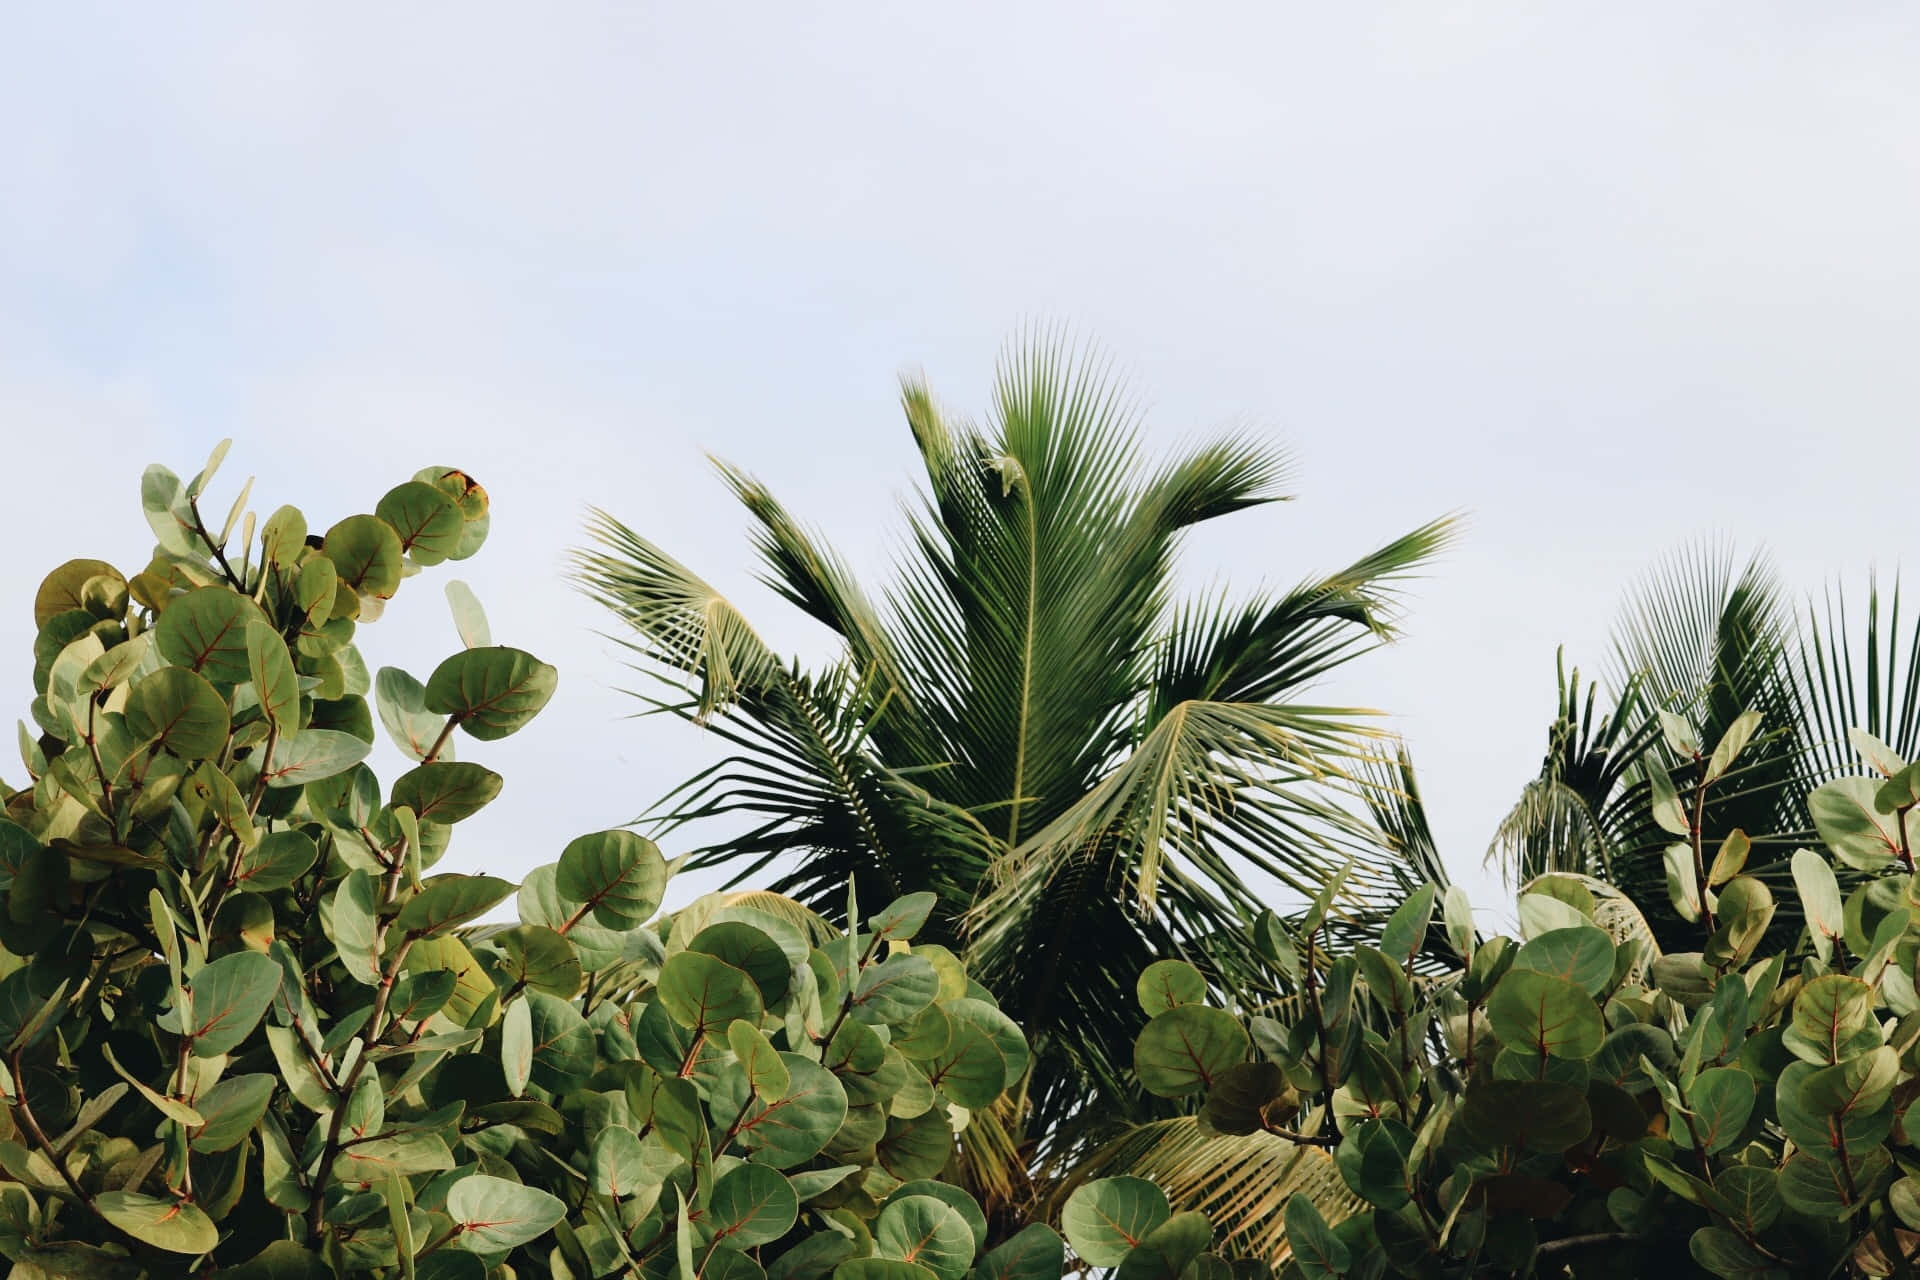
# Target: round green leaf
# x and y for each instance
(915, 1146)
(231, 1109)
(536, 956)
(516, 1046)
(1582, 956)
(1855, 1086)
(1317, 1251)
(751, 1205)
(881, 1269)
(749, 950)
(446, 792)
(1536, 1114)
(988, 1018)
(1814, 1186)
(704, 993)
(205, 630)
(794, 1127)
(1726, 1253)
(926, 1036)
(280, 858)
(1721, 1100)
(1541, 1013)
(1752, 1193)
(971, 1070)
(766, 1073)
(173, 1225)
(64, 589)
(1035, 1252)
(1182, 1050)
(446, 901)
(403, 710)
(229, 995)
(428, 521)
(926, 1231)
(1850, 822)
(1237, 1102)
(895, 990)
(903, 917)
(1168, 984)
(352, 925)
(495, 1214)
(1105, 1218)
(459, 486)
(275, 685)
(1832, 1015)
(313, 754)
(1859, 1131)
(1168, 1249)
(179, 711)
(617, 875)
(492, 691)
(954, 1198)
(366, 555)
(564, 1043)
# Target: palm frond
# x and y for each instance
(1204, 764)
(813, 577)
(1270, 647)
(681, 620)
(1241, 1183)
(1872, 683)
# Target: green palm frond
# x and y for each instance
(1871, 683)
(1567, 818)
(681, 621)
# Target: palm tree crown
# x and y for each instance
(1090, 771)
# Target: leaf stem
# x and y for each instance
(440, 743)
(331, 1150)
(1699, 847)
(219, 551)
(24, 1110)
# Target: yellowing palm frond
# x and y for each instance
(1241, 1183)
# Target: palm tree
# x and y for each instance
(1708, 637)
(1091, 771)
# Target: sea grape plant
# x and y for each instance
(246, 1030)
(1571, 1101)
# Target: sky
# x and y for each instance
(1609, 279)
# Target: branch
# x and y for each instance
(1575, 1244)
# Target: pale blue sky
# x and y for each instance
(1608, 277)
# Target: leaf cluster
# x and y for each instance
(247, 1030)
(1575, 1101)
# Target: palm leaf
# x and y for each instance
(1241, 1183)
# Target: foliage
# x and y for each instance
(1712, 639)
(246, 1032)
(1087, 770)
(1574, 1101)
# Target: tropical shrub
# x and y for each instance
(245, 1031)
(1574, 1100)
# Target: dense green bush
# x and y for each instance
(244, 1031)
(1572, 1101)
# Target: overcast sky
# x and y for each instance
(1606, 277)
